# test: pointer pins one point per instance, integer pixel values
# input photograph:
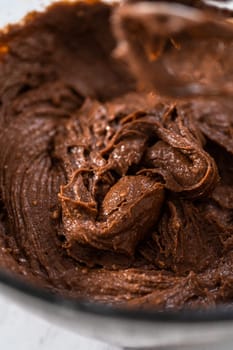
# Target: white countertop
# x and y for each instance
(22, 330)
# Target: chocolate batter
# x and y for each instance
(108, 193)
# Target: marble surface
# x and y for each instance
(22, 330)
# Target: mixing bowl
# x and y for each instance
(207, 329)
(200, 329)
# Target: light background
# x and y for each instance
(20, 329)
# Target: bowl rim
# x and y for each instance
(218, 313)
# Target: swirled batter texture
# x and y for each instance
(107, 193)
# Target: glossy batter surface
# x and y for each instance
(108, 193)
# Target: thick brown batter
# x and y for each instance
(108, 193)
